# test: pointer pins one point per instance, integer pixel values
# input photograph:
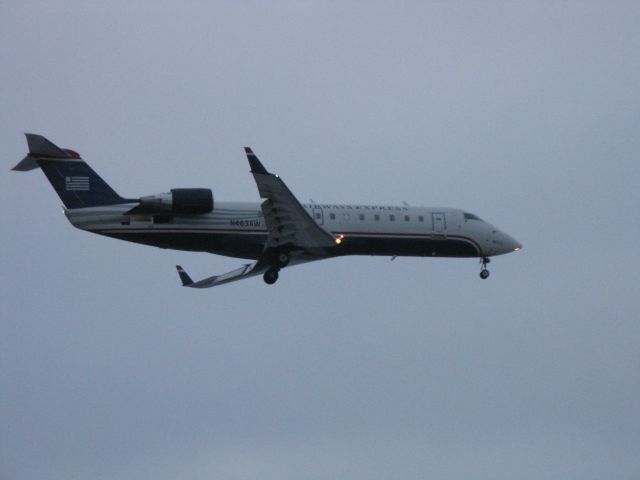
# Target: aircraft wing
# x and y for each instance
(288, 223)
(289, 228)
(246, 271)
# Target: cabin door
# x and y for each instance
(439, 223)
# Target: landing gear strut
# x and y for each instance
(277, 260)
(270, 276)
(484, 273)
(282, 259)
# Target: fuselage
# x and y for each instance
(238, 229)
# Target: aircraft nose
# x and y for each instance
(514, 245)
(506, 243)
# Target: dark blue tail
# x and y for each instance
(75, 182)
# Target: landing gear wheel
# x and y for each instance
(270, 276)
(484, 273)
(282, 259)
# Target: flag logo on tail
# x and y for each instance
(75, 184)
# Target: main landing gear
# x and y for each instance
(271, 276)
(280, 260)
(484, 273)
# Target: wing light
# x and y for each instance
(339, 239)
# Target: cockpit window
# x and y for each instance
(471, 216)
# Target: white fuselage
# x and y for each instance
(238, 229)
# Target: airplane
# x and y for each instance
(276, 233)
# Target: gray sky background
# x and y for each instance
(526, 114)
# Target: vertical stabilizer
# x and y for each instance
(75, 182)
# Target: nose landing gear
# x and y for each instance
(484, 273)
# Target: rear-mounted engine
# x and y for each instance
(177, 201)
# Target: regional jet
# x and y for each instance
(276, 233)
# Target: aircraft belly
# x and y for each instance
(252, 245)
(410, 246)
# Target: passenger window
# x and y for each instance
(406, 218)
(361, 216)
(392, 218)
(376, 217)
(332, 216)
(420, 218)
(346, 217)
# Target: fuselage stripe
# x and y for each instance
(442, 236)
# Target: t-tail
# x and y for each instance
(74, 181)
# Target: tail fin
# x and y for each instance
(74, 181)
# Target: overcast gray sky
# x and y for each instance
(525, 113)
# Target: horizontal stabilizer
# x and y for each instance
(26, 164)
(42, 149)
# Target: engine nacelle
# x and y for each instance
(178, 200)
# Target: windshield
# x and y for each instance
(471, 216)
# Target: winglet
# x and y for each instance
(256, 166)
(186, 279)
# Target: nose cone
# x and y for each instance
(512, 244)
(504, 243)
